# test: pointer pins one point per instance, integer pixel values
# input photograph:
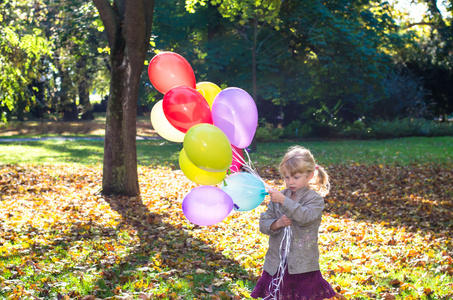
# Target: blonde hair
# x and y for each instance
(300, 160)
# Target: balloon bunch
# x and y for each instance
(214, 126)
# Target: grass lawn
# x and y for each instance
(161, 152)
(52, 127)
(386, 231)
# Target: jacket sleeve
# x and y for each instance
(267, 218)
(303, 214)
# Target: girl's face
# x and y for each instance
(297, 181)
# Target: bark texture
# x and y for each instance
(128, 27)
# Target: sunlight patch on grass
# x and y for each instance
(403, 151)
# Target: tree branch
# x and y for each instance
(420, 24)
(107, 14)
(137, 23)
(149, 12)
(134, 23)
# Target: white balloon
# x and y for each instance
(163, 127)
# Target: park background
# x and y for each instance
(363, 85)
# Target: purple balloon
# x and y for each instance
(234, 112)
(206, 205)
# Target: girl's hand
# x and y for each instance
(276, 196)
(284, 221)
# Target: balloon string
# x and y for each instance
(249, 186)
(251, 196)
(277, 283)
(248, 166)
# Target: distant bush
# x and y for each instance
(360, 129)
(410, 127)
(268, 132)
(296, 130)
(406, 96)
(398, 128)
(325, 130)
(357, 130)
(101, 106)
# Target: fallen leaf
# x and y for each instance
(388, 296)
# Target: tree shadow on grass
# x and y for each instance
(75, 248)
(90, 152)
(416, 197)
(85, 152)
(168, 254)
(165, 255)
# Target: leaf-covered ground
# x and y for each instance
(386, 234)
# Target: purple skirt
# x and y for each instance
(305, 286)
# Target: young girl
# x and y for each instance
(294, 251)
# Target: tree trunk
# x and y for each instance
(67, 101)
(120, 155)
(69, 111)
(83, 87)
(254, 81)
(128, 26)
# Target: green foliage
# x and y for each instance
(405, 127)
(263, 10)
(429, 54)
(336, 45)
(20, 61)
(324, 64)
(410, 127)
(357, 130)
(324, 58)
(405, 97)
(268, 132)
(296, 130)
(49, 54)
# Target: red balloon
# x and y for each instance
(168, 69)
(238, 159)
(184, 107)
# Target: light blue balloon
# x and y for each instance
(246, 190)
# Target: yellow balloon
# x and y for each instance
(163, 127)
(209, 90)
(198, 175)
(208, 148)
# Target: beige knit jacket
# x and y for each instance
(305, 213)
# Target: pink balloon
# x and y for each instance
(168, 69)
(238, 159)
(184, 107)
(206, 205)
(234, 112)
